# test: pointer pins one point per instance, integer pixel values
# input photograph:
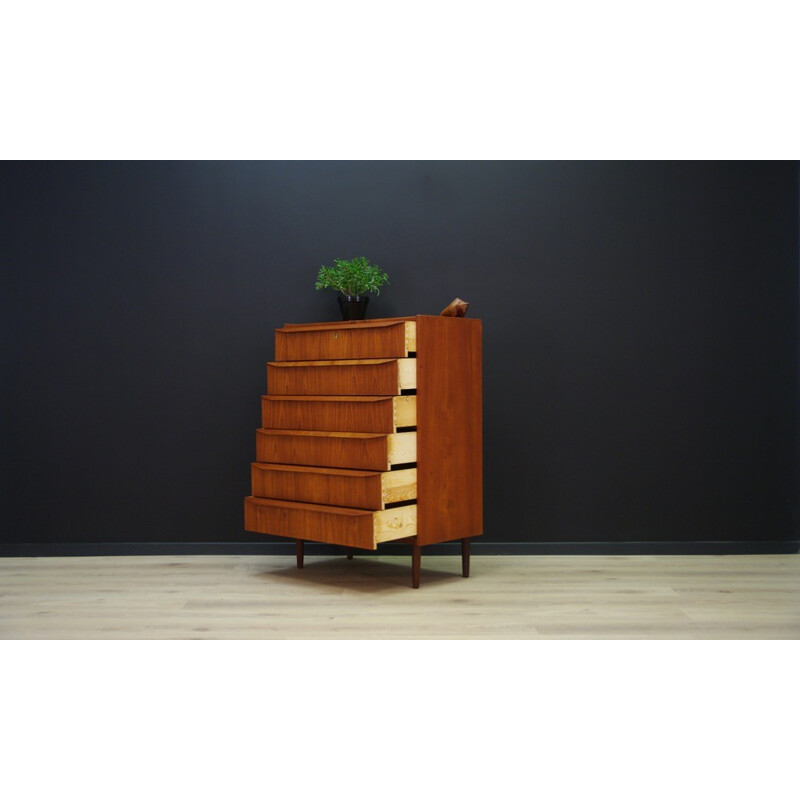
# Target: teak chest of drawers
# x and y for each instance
(372, 432)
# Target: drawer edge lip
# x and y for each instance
(353, 325)
(335, 471)
(329, 398)
(334, 362)
(345, 511)
(323, 434)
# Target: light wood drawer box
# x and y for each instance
(381, 339)
(365, 414)
(333, 487)
(370, 451)
(371, 376)
(351, 527)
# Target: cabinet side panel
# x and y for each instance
(449, 429)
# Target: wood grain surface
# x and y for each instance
(381, 322)
(349, 527)
(368, 451)
(319, 523)
(399, 485)
(366, 414)
(331, 487)
(346, 377)
(382, 339)
(449, 428)
(347, 413)
(368, 597)
(394, 523)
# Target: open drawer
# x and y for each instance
(369, 376)
(365, 414)
(393, 338)
(350, 527)
(333, 487)
(370, 451)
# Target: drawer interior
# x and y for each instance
(394, 523)
(399, 485)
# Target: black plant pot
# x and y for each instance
(353, 307)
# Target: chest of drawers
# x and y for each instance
(372, 432)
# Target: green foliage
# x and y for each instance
(352, 277)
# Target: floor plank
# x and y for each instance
(506, 597)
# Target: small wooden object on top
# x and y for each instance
(458, 308)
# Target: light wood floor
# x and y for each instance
(369, 597)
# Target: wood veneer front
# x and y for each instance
(370, 451)
(366, 414)
(345, 526)
(349, 527)
(335, 487)
(347, 377)
(393, 338)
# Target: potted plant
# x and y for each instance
(353, 279)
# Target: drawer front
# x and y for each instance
(314, 343)
(357, 377)
(333, 487)
(352, 414)
(314, 523)
(319, 523)
(366, 451)
(328, 487)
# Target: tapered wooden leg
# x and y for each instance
(299, 546)
(349, 553)
(465, 557)
(416, 557)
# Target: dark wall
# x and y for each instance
(640, 336)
